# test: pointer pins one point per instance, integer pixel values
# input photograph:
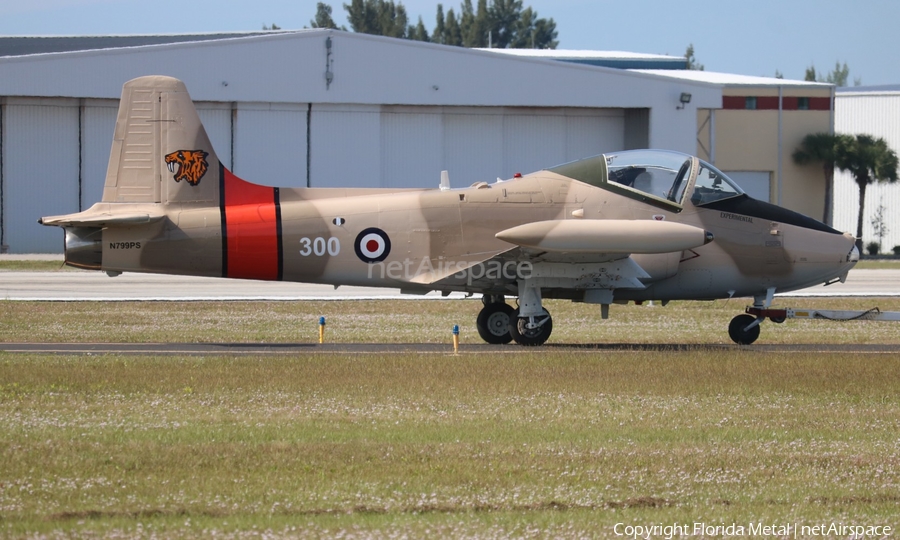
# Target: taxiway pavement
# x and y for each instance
(267, 349)
(92, 286)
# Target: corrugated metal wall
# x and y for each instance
(55, 152)
(877, 115)
(41, 170)
(98, 122)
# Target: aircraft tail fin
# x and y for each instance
(158, 133)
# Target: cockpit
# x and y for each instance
(659, 177)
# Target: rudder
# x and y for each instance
(158, 133)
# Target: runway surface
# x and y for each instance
(262, 349)
(92, 286)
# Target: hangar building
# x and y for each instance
(327, 108)
(872, 110)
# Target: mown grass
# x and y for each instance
(883, 264)
(532, 445)
(36, 266)
(412, 321)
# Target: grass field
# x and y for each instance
(412, 321)
(482, 446)
(531, 445)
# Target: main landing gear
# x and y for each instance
(493, 320)
(499, 323)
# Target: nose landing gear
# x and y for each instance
(744, 329)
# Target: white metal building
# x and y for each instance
(325, 108)
(875, 111)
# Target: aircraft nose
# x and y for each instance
(854, 255)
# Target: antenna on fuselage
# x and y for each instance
(445, 180)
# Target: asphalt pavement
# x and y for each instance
(91, 286)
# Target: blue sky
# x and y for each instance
(750, 38)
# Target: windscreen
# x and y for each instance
(654, 172)
(712, 185)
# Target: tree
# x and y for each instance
(378, 17)
(273, 27)
(418, 32)
(323, 17)
(879, 224)
(498, 23)
(810, 74)
(822, 148)
(438, 35)
(534, 33)
(480, 24)
(868, 160)
(838, 77)
(504, 17)
(452, 31)
(691, 60)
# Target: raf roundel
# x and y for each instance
(372, 245)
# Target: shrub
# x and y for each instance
(873, 248)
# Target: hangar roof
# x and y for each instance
(868, 90)
(614, 59)
(291, 67)
(24, 45)
(731, 79)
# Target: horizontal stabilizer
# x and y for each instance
(606, 236)
(103, 215)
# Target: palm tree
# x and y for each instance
(869, 160)
(821, 147)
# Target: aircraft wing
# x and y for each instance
(561, 247)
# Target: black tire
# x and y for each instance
(530, 338)
(493, 323)
(737, 333)
(778, 320)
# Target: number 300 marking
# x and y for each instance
(318, 246)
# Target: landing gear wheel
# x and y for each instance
(778, 320)
(493, 323)
(738, 334)
(530, 336)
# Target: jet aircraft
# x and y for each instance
(628, 226)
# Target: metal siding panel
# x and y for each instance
(345, 146)
(41, 163)
(589, 135)
(877, 115)
(97, 129)
(411, 148)
(757, 184)
(473, 146)
(216, 119)
(270, 145)
(532, 142)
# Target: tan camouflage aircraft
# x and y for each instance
(626, 226)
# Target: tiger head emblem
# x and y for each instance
(189, 165)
